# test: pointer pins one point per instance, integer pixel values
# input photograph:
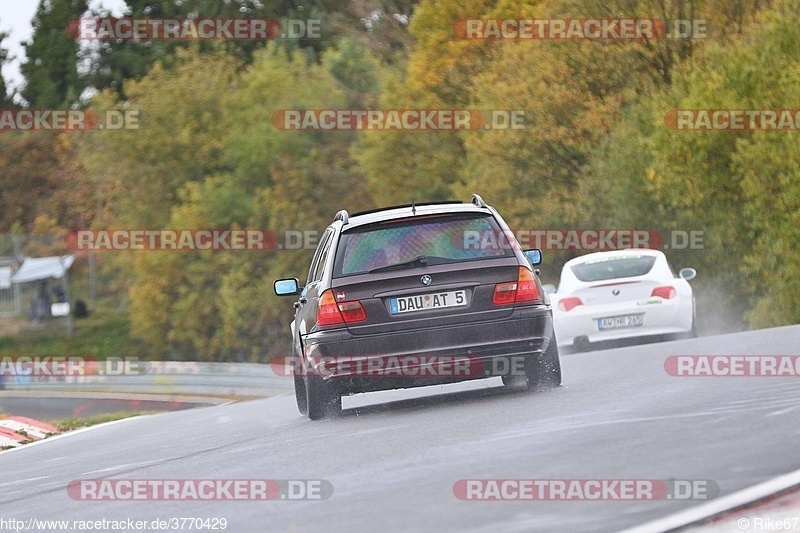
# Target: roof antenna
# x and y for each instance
(413, 207)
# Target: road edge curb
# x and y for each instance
(711, 509)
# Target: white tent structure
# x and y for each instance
(35, 269)
(44, 268)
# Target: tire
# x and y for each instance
(323, 400)
(545, 372)
(300, 395)
(541, 372)
(580, 345)
(515, 382)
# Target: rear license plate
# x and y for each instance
(439, 300)
(627, 321)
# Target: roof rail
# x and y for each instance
(477, 200)
(343, 216)
(417, 204)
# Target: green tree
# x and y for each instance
(381, 26)
(219, 306)
(439, 73)
(52, 79)
(40, 175)
(182, 122)
(740, 187)
(6, 100)
(114, 62)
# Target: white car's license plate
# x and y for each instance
(627, 321)
(422, 302)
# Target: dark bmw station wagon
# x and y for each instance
(418, 295)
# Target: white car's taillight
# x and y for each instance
(667, 292)
(565, 304)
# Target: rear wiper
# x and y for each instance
(420, 260)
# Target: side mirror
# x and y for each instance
(549, 288)
(534, 256)
(286, 287)
(687, 273)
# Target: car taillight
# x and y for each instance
(667, 292)
(565, 304)
(328, 310)
(527, 291)
(522, 290)
(330, 313)
(504, 293)
(352, 311)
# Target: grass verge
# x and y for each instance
(99, 336)
(68, 424)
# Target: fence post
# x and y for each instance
(65, 282)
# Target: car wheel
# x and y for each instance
(545, 372)
(541, 372)
(581, 344)
(300, 395)
(323, 400)
(515, 382)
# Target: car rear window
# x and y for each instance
(614, 267)
(441, 238)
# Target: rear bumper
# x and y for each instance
(667, 317)
(428, 356)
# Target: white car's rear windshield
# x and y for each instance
(614, 267)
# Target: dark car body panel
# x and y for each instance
(477, 279)
(525, 333)
(481, 330)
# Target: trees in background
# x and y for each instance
(5, 99)
(739, 187)
(596, 151)
(51, 71)
(113, 63)
(211, 159)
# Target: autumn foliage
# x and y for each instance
(595, 153)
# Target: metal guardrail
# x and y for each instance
(165, 377)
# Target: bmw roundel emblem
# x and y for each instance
(426, 280)
(615, 292)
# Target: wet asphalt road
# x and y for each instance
(393, 464)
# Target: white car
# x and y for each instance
(608, 296)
